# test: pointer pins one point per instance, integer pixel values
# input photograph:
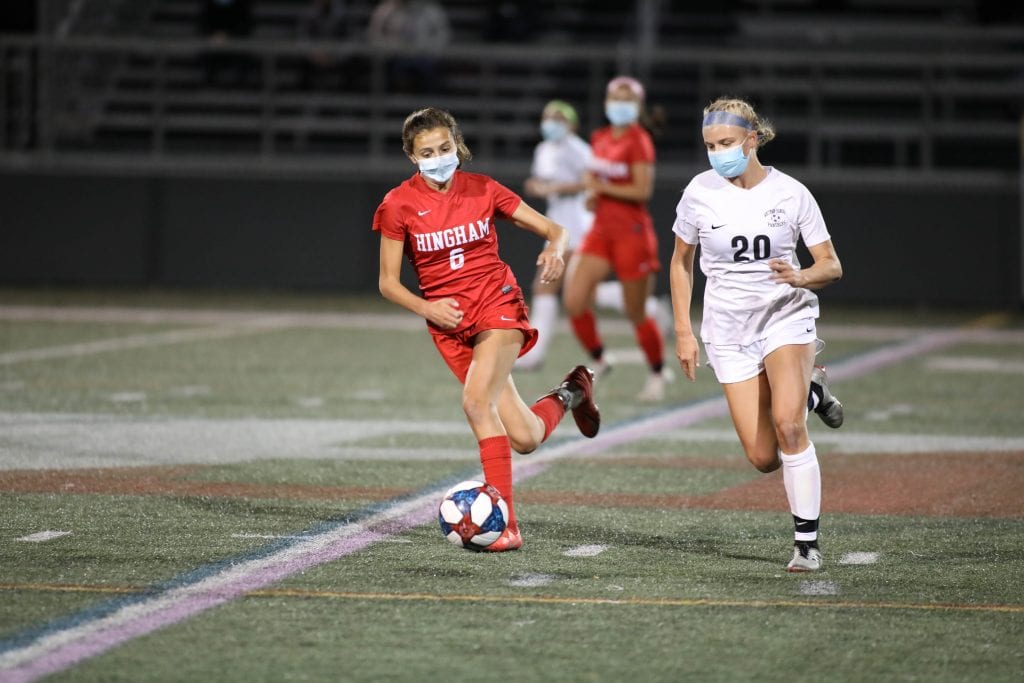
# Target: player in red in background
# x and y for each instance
(622, 239)
(443, 218)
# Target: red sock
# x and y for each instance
(585, 328)
(649, 337)
(550, 411)
(496, 458)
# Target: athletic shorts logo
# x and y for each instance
(716, 227)
(423, 213)
(508, 320)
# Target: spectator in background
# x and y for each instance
(418, 24)
(325, 21)
(222, 22)
(510, 22)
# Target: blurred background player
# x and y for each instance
(622, 239)
(758, 327)
(560, 162)
(444, 219)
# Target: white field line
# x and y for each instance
(65, 441)
(42, 536)
(134, 341)
(1000, 366)
(842, 441)
(859, 558)
(402, 321)
(58, 649)
(818, 588)
(531, 580)
(585, 551)
(71, 441)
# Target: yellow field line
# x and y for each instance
(548, 600)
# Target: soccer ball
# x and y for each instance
(472, 514)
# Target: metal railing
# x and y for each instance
(134, 101)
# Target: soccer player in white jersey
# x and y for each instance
(560, 161)
(759, 317)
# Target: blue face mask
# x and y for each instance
(621, 112)
(440, 169)
(729, 162)
(554, 130)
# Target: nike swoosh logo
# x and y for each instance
(716, 227)
(423, 213)
(810, 329)
(510, 320)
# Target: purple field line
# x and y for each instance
(58, 651)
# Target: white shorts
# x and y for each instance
(735, 363)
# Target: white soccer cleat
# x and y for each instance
(602, 367)
(806, 558)
(654, 386)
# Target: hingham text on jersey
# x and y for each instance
(453, 237)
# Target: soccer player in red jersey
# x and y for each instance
(443, 220)
(622, 239)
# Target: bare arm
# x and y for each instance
(444, 313)
(638, 190)
(538, 187)
(551, 259)
(681, 282)
(826, 269)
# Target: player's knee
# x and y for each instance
(764, 461)
(478, 408)
(523, 446)
(790, 432)
(573, 306)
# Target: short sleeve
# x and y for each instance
(505, 200)
(643, 150)
(584, 155)
(545, 165)
(387, 220)
(810, 220)
(685, 225)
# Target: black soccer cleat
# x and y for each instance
(829, 409)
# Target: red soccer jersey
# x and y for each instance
(449, 236)
(613, 159)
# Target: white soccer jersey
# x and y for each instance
(739, 232)
(565, 161)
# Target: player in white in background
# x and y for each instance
(759, 313)
(560, 161)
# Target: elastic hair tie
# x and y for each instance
(728, 118)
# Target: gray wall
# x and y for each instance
(911, 245)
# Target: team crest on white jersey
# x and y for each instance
(776, 218)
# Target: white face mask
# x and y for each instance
(440, 169)
(553, 130)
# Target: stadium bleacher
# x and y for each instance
(908, 84)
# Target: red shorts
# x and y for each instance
(631, 249)
(501, 308)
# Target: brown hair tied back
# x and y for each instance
(429, 119)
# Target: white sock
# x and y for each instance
(802, 479)
(543, 316)
(651, 307)
(609, 295)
